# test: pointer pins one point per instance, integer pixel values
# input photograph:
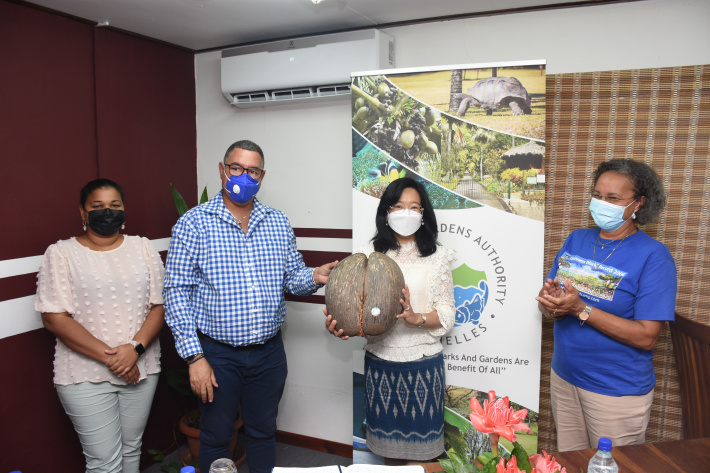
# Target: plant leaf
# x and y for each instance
(203, 197)
(490, 467)
(180, 204)
(455, 440)
(522, 456)
(447, 465)
(484, 458)
(464, 425)
(156, 455)
(462, 464)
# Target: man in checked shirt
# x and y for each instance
(229, 262)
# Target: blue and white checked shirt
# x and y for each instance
(228, 284)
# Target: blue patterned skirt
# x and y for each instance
(405, 407)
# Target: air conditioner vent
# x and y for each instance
(254, 97)
(342, 89)
(292, 94)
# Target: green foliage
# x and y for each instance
(457, 463)
(452, 183)
(515, 175)
(204, 198)
(496, 188)
(157, 456)
(461, 423)
(180, 204)
(522, 456)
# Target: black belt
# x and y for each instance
(202, 336)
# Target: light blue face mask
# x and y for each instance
(608, 217)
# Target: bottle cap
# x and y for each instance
(605, 444)
(187, 469)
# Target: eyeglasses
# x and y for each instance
(414, 208)
(610, 198)
(238, 170)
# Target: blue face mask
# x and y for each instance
(608, 217)
(241, 188)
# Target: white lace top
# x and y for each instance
(109, 293)
(431, 287)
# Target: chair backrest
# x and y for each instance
(691, 343)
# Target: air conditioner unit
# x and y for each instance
(314, 68)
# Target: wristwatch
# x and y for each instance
(584, 315)
(423, 321)
(138, 347)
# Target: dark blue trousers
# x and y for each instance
(253, 376)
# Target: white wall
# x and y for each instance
(308, 151)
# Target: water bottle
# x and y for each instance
(223, 465)
(602, 461)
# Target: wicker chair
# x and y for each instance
(691, 343)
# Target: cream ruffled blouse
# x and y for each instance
(431, 287)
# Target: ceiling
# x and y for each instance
(214, 24)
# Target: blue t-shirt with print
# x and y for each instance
(637, 282)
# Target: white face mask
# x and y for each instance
(405, 222)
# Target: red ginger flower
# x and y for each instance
(497, 417)
(511, 467)
(545, 463)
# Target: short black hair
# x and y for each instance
(385, 238)
(97, 184)
(247, 145)
(645, 182)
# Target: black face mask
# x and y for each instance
(106, 222)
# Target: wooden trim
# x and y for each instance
(312, 443)
(14, 287)
(320, 300)
(345, 233)
(692, 328)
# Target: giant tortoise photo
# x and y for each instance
(496, 93)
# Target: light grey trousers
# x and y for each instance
(109, 420)
(582, 417)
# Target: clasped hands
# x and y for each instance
(122, 362)
(407, 314)
(557, 300)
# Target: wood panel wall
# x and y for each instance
(78, 103)
(658, 116)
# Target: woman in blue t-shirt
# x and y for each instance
(610, 290)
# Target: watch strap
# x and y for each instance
(423, 321)
(584, 315)
(138, 347)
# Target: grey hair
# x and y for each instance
(247, 145)
(645, 182)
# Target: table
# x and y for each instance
(689, 456)
(675, 456)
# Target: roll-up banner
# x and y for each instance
(474, 136)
